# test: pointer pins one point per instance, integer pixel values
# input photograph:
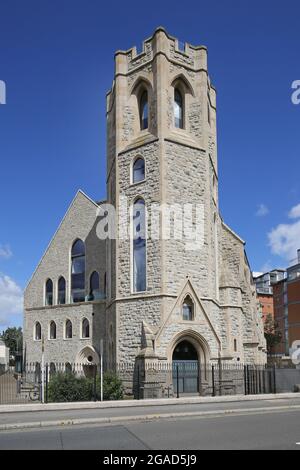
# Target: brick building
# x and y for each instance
(287, 309)
(264, 288)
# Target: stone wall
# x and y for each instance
(61, 350)
(131, 314)
(187, 171)
(237, 291)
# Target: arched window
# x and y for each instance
(68, 368)
(185, 351)
(52, 369)
(138, 170)
(178, 109)
(68, 330)
(52, 330)
(38, 331)
(139, 246)
(94, 286)
(85, 328)
(188, 309)
(144, 110)
(49, 293)
(61, 298)
(78, 271)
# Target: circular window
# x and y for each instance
(90, 358)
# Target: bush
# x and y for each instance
(112, 387)
(65, 386)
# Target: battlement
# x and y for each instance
(184, 54)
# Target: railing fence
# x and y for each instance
(142, 380)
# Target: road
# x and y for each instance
(250, 425)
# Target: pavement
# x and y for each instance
(92, 413)
(253, 424)
(13, 408)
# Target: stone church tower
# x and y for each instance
(178, 147)
(156, 295)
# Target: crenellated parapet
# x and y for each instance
(162, 66)
(194, 57)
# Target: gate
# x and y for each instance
(186, 377)
(15, 389)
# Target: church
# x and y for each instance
(160, 287)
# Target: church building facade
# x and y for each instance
(159, 293)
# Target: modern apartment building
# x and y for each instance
(264, 288)
(287, 309)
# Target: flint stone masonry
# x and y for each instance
(144, 328)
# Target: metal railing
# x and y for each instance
(143, 380)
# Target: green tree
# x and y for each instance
(272, 332)
(13, 339)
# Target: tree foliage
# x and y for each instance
(65, 386)
(272, 332)
(112, 387)
(13, 339)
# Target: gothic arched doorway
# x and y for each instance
(87, 360)
(185, 363)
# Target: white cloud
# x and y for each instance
(256, 273)
(5, 251)
(295, 212)
(262, 210)
(267, 266)
(11, 299)
(284, 240)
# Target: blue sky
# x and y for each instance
(56, 58)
